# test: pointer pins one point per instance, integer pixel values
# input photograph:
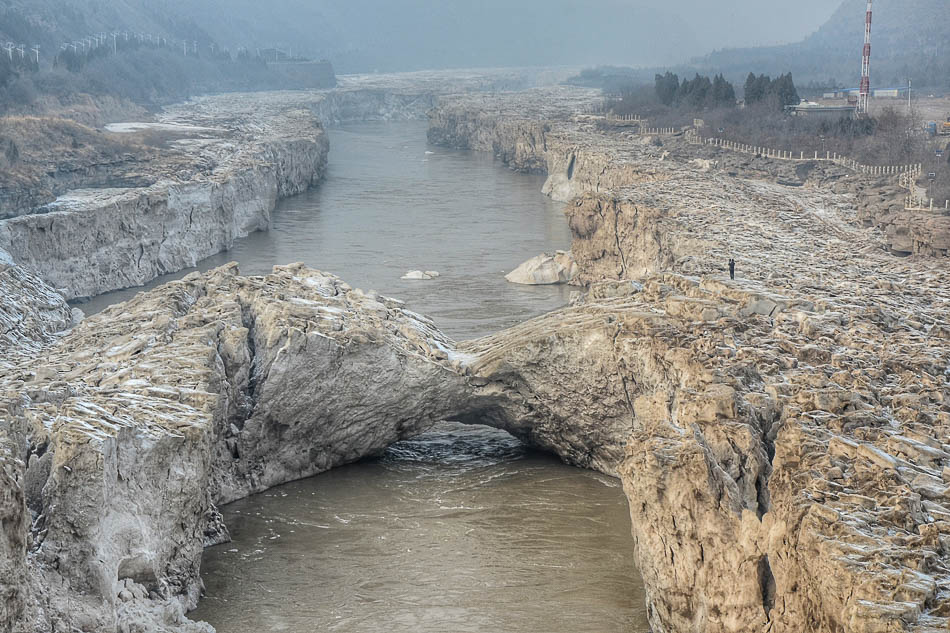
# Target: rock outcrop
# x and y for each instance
(545, 131)
(136, 201)
(780, 475)
(782, 438)
(132, 427)
(31, 313)
(545, 269)
(91, 241)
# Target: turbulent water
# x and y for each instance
(459, 530)
(391, 204)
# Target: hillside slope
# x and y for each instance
(909, 42)
(367, 35)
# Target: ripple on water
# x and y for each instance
(461, 529)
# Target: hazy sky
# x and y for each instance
(747, 22)
(405, 34)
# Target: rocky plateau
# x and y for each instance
(783, 438)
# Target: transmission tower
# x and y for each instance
(865, 94)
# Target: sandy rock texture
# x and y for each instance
(545, 130)
(782, 438)
(31, 313)
(129, 430)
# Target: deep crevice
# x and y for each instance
(767, 585)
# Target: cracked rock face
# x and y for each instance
(774, 479)
(139, 421)
(31, 313)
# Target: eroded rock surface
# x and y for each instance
(130, 429)
(782, 438)
(219, 180)
(31, 313)
(545, 269)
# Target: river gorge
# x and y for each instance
(781, 438)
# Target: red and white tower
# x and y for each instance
(865, 95)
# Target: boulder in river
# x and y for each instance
(421, 275)
(545, 270)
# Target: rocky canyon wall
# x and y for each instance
(92, 241)
(781, 437)
(146, 199)
(117, 447)
(784, 434)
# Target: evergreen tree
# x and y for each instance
(753, 93)
(784, 90)
(723, 93)
(667, 88)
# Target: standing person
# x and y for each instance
(732, 268)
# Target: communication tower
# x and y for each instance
(865, 94)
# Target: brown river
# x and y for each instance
(461, 529)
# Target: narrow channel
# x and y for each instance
(463, 528)
(390, 204)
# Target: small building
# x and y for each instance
(841, 93)
(890, 93)
(811, 109)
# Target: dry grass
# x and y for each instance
(31, 147)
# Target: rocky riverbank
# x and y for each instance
(214, 181)
(543, 131)
(93, 210)
(782, 438)
(121, 440)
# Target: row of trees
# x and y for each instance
(778, 92)
(15, 60)
(697, 93)
(76, 55)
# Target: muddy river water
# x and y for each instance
(461, 529)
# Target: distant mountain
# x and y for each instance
(910, 40)
(367, 35)
(49, 23)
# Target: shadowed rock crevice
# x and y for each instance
(767, 582)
